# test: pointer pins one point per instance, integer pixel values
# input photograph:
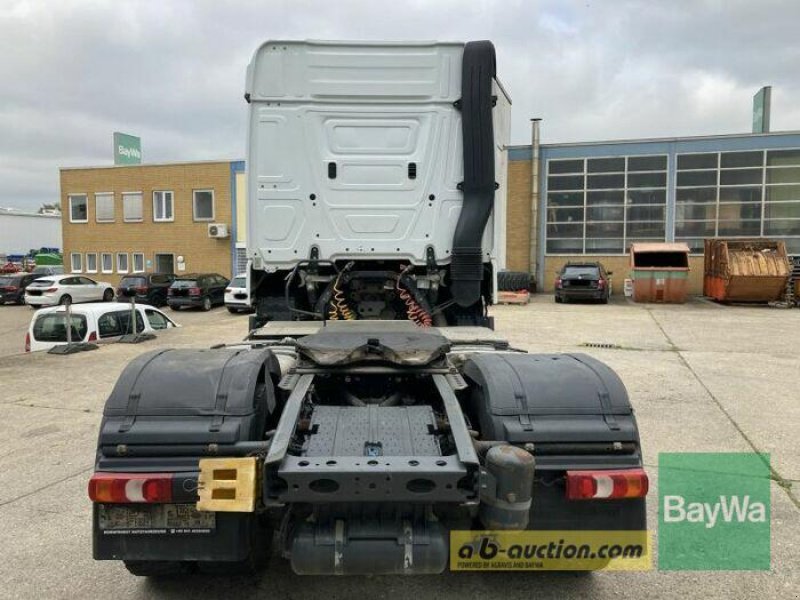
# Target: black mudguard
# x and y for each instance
(575, 411)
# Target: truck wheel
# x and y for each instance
(513, 281)
(157, 568)
(260, 545)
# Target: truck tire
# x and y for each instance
(260, 545)
(513, 281)
(158, 568)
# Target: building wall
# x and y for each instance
(182, 237)
(20, 233)
(518, 220)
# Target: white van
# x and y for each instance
(92, 322)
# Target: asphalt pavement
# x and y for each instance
(701, 377)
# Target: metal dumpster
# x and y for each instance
(745, 270)
(660, 272)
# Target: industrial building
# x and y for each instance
(591, 200)
(22, 231)
(168, 218)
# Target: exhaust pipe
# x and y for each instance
(477, 74)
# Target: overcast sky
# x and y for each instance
(172, 72)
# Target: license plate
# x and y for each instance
(34, 293)
(115, 519)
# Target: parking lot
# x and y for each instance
(702, 377)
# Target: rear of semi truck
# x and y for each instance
(372, 419)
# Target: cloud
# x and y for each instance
(173, 72)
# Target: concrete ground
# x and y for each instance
(702, 377)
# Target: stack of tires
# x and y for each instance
(513, 281)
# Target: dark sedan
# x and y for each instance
(202, 290)
(12, 286)
(582, 281)
(148, 288)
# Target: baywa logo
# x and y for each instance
(714, 511)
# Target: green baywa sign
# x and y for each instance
(127, 149)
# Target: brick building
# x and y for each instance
(170, 218)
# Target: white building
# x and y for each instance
(20, 231)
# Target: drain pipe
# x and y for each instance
(534, 233)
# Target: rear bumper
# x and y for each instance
(185, 300)
(10, 297)
(41, 300)
(581, 294)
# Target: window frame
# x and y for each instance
(88, 270)
(72, 268)
(162, 202)
(70, 198)
(103, 262)
(213, 205)
(127, 262)
(113, 218)
(589, 206)
(133, 262)
(125, 218)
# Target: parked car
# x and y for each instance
(92, 322)
(48, 270)
(237, 295)
(12, 286)
(60, 289)
(148, 288)
(582, 281)
(202, 290)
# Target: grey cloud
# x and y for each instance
(173, 72)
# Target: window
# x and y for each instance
(104, 207)
(112, 324)
(163, 206)
(203, 205)
(600, 205)
(138, 262)
(122, 262)
(76, 263)
(156, 319)
(91, 262)
(107, 262)
(738, 194)
(52, 327)
(78, 208)
(132, 207)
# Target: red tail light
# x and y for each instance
(195, 291)
(28, 342)
(115, 488)
(9, 288)
(141, 290)
(601, 283)
(170, 292)
(50, 290)
(558, 282)
(607, 485)
(92, 337)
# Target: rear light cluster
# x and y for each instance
(558, 283)
(9, 288)
(194, 291)
(600, 485)
(116, 488)
(601, 283)
(141, 290)
(92, 337)
(50, 290)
